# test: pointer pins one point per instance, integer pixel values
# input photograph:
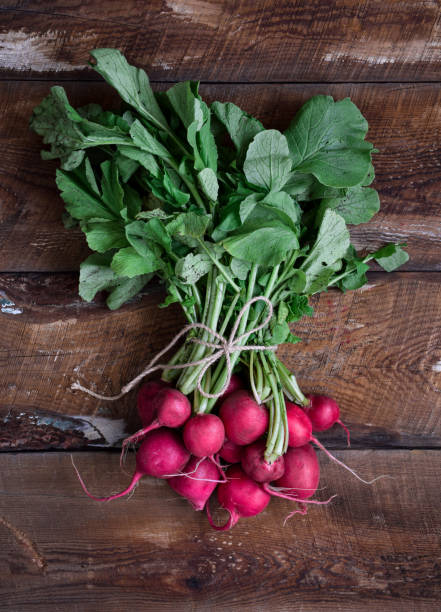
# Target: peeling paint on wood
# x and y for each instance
(241, 41)
(22, 50)
(7, 306)
(24, 427)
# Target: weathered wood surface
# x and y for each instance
(229, 40)
(377, 351)
(374, 548)
(405, 124)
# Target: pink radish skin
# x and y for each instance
(323, 413)
(254, 464)
(300, 433)
(302, 472)
(230, 452)
(160, 454)
(300, 479)
(299, 426)
(198, 483)
(172, 409)
(245, 420)
(241, 496)
(204, 435)
(235, 384)
(145, 404)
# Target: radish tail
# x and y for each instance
(331, 456)
(136, 477)
(215, 460)
(228, 525)
(272, 491)
(134, 438)
(348, 434)
(303, 510)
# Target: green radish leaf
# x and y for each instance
(267, 163)
(147, 142)
(266, 245)
(156, 231)
(132, 204)
(191, 268)
(240, 126)
(68, 133)
(112, 192)
(298, 306)
(128, 262)
(329, 248)
(95, 275)
(145, 159)
(126, 166)
(185, 102)
(240, 268)
(208, 181)
(125, 289)
(391, 257)
(81, 200)
(297, 282)
(189, 224)
(326, 139)
(131, 83)
(358, 205)
(102, 236)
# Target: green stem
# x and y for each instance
(275, 413)
(229, 314)
(220, 374)
(197, 297)
(222, 269)
(178, 357)
(290, 384)
(205, 400)
(348, 271)
(188, 381)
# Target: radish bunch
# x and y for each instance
(202, 453)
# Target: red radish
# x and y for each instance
(241, 496)
(204, 435)
(254, 464)
(198, 482)
(235, 384)
(323, 413)
(299, 426)
(160, 454)
(146, 395)
(244, 419)
(300, 433)
(172, 409)
(300, 479)
(302, 472)
(230, 452)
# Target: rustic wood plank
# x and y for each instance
(32, 237)
(227, 40)
(373, 548)
(364, 348)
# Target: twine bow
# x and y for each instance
(223, 348)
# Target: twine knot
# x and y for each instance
(223, 348)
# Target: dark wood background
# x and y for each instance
(377, 350)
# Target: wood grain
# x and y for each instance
(377, 351)
(228, 40)
(32, 237)
(373, 548)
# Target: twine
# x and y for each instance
(224, 348)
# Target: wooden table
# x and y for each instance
(377, 351)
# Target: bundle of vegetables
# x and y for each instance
(242, 225)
